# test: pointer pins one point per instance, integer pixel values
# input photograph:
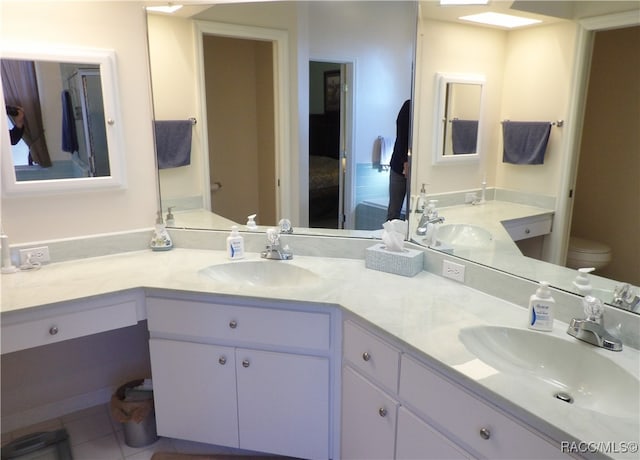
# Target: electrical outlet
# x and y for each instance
(39, 254)
(470, 197)
(453, 270)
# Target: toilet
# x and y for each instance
(585, 253)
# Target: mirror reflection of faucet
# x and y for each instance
(427, 225)
(626, 297)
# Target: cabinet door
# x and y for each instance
(283, 403)
(194, 389)
(416, 439)
(368, 419)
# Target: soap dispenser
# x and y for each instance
(422, 200)
(170, 219)
(235, 244)
(161, 241)
(582, 282)
(251, 222)
(541, 306)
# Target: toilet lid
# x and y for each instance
(583, 245)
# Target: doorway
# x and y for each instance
(328, 132)
(238, 76)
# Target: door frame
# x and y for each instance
(280, 43)
(556, 251)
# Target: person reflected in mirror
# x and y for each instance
(17, 117)
(398, 166)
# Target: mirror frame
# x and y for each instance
(106, 59)
(440, 117)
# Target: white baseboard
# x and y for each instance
(56, 409)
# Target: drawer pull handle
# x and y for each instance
(233, 324)
(222, 360)
(366, 356)
(382, 411)
(53, 330)
(527, 231)
(485, 433)
(245, 363)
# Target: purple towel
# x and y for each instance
(525, 142)
(173, 143)
(69, 133)
(464, 136)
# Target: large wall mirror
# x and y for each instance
(566, 68)
(290, 109)
(62, 119)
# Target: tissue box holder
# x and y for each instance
(409, 262)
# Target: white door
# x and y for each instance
(283, 403)
(194, 390)
(368, 419)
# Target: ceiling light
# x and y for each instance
(500, 20)
(463, 2)
(169, 8)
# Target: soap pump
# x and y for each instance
(251, 222)
(582, 282)
(422, 199)
(170, 219)
(160, 241)
(541, 306)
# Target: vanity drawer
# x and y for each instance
(468, 420)
(19, 336)
(520, 229)
(266, 326)
(373, 356)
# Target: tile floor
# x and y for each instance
(95, 436)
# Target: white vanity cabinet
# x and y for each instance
(242, 376)
(395, 407)
(374, 424)
(528, 227)
(30, 328)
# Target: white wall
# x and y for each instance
(528, 74)
(115, 25)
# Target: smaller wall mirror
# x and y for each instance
(67, 101)
(458, 121)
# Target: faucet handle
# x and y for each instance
(593, 308)
(272, 236)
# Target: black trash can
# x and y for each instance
(133, 407)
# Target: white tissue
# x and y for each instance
(393, 234)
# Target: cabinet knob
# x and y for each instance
(382, 411)
(485, 433)
(53, 330)
(527, 231)
(245, 363)
(233, 324)
(366, 356)
(222, 360)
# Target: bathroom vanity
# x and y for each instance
(346, 363)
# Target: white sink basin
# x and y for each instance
(463, 235)
(544, 365)
(263, 273)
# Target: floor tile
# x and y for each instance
(88, 427)
(102, 448)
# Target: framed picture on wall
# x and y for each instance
(332, 91)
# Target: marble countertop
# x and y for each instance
(426, 312)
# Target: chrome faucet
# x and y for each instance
(429, 216)
(591, 329)
(626, 297)
(274, 249)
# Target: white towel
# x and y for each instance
(382, 151)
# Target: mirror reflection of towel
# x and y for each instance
(525, 142)
(69, 133)
(173, 143)
(464, 136)
(382, 150)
